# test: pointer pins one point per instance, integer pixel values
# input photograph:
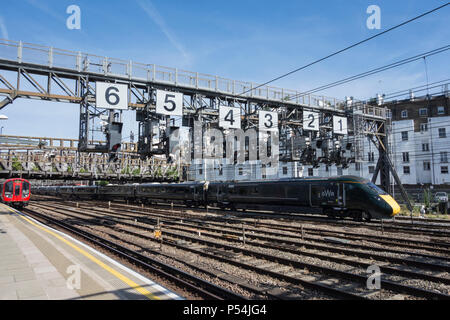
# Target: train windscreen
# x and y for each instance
(377, 189)
(17, 190)
(25, 189)
(9, 187)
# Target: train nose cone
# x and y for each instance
(392, 203)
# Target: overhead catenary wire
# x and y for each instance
(347, 48)
(370, 72)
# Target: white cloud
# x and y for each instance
(3, 29)
(153, 13)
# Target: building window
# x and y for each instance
(310, 172)
(423, 112)
(241, 171)
(220, 170)
(426, 166)
(425, 147)
(404, 135)
(442, 133)
(406, 170)
(405, 156)
(444, 158)
(371, 169)
(200, 171)
(444, 170)
(440, 110)
(404, 113)
(388, 114)
(358, 166)
(423, 127)
(371, 157)
(285, 170)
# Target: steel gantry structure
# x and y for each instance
(47, 73)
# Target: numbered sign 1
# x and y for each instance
(169, 103)
(268, 121)
(339, 125)
(111, 95)
(310, 121)
(229, 117)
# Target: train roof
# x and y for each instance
(346, 178)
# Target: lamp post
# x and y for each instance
(2, 117)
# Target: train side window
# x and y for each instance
(9, 187)
(25, 188)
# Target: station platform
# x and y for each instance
(38, 262)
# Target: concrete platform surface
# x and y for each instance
(40, 263)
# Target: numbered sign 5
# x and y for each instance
(268, 121)
(169, 103)
(310, 121)
(340, 125)
(229, 117)
(111, 95)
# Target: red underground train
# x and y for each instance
(15, 192)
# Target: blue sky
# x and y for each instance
(243, 40)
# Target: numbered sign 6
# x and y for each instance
(339, 125)
(268, 121)
(111, 95)
(310, 121)
(229, 117)
(169, 103)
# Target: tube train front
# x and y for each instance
(345, 196)
(15, 192)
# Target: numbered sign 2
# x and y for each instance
(268, 121)
(310, 121)
(111, 95)
(229, 117)
(169, 103)
(340, 125)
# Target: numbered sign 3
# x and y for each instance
(310, 121)
(340, 125)
(229, 117)
(169, 103)
(111, 95)
(268, 121)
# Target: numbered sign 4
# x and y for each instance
(268, 121)
(340, 125)
(310, 121)
(169, 103)
(229, 117)
(111, 95)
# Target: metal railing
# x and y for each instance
(22, 52)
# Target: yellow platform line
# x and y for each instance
(117, 274)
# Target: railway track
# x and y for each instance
(319, 277)
(195, 285)
(431, 244)
(418, 226)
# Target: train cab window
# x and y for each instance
(9, 189)
(25, 189)
(17, 190)
(376, 188)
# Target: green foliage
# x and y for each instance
(16, 166)
(427, 197)
(136, 172)
(102, 183)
